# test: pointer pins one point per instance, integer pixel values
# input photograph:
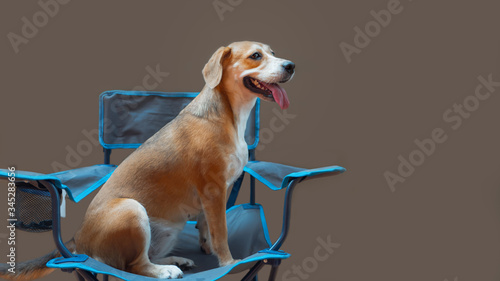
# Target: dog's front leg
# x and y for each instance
(202, 227)
(213, 201)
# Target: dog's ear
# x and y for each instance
(212, 72)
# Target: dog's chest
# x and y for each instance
(237, 161)
(239, 158)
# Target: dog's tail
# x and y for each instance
(32, 269)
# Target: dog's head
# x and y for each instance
(250, 68)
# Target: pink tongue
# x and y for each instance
(279, 95)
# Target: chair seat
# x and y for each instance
(248, 239)
(77, 182)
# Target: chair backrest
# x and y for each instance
(128, 118)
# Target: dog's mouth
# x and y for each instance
(267, 91)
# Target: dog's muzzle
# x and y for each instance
(289, 68)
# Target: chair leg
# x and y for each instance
(87, 276)
(78, 276)
(274, 271)
(252, 273)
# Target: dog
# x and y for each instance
(182, 172)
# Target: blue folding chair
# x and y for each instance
(127, 119)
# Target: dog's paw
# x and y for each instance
(170, 272)
(231, 262)
(205, 246)
(183, 263)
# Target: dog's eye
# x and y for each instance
(273, 53)
(256, 56)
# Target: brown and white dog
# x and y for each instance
(182, 172)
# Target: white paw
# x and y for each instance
(231, 262)
(170, 272)
(183, 263)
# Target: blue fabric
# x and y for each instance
(278, 176)
(248, 239)
(127, 107)
(140, 114)
(77, 182)
(245, 222)
(257, 126)
(212, 274)
(75, 258)
(235, 191)
(279, 252)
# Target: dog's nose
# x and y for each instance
(289, 67)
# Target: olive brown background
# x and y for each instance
(441, 223)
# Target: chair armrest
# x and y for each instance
(78, 183)
(290, 181)
(278, 176)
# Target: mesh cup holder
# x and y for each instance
(33, 208)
